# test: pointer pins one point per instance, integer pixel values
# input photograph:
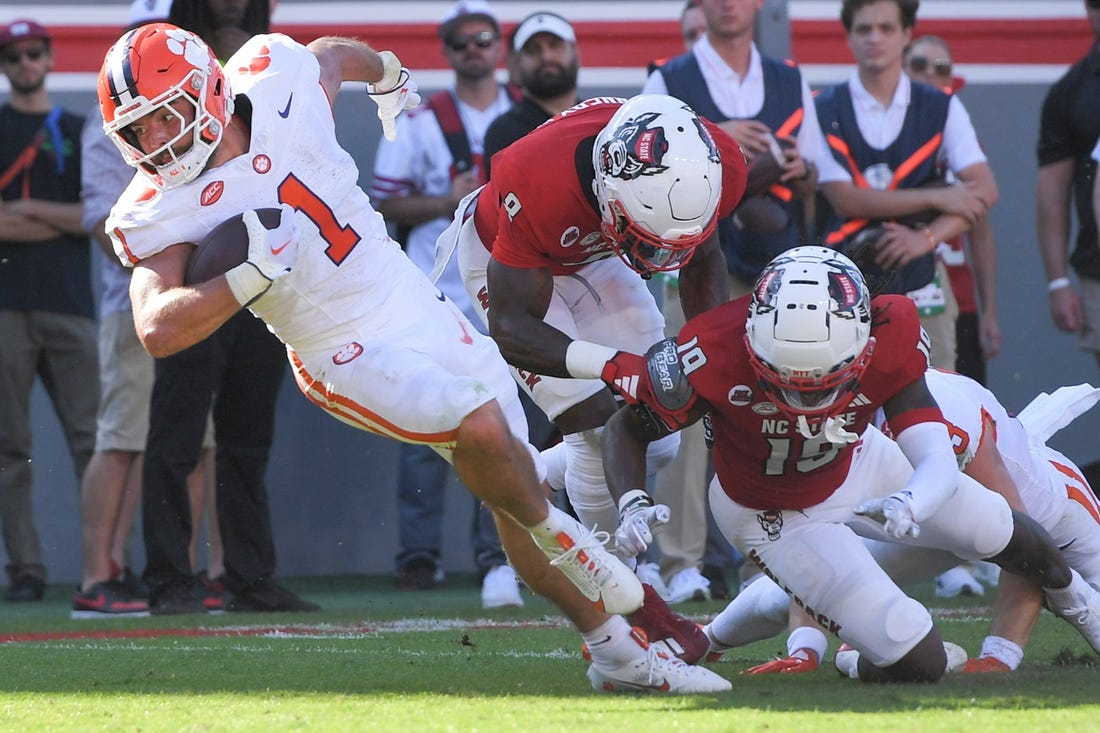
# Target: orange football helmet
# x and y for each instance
(147, 70)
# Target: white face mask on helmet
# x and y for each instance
(658, 182)
(147, 70)
(809, 330)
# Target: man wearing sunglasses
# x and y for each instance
(419, 178)
(47, 316)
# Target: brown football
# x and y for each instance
(225, 247)
(766, 167)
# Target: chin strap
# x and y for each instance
(832, 429)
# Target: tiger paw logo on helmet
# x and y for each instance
(186, 44)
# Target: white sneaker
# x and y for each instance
(987, 573)
(688, 585)
(500, 588)
(579, 553)
(956, 657)
(650, 572)
(1079, 604)
(656, 671)
(958, 581)
(847, 659)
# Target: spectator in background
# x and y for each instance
(1068, 130)
(757, 99)
(693, 23)
(545, 64)
(971, 268)
(890, 140)
(419, 179)
(47, 317)
(110, 491)
(239, 370)
(977, 334)
(224, 24)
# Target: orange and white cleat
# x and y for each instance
(802, 660)
(981, 665)
(655, 670)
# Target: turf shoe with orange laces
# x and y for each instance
(579, 553)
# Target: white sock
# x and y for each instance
(611, 642)
(758, 612)
(811, 639)
(1068, 597)
(1004, 651)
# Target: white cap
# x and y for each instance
(542, 23)
(145, 11)
(465, 10)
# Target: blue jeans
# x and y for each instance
(421, 480)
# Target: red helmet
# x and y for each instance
(146, 70)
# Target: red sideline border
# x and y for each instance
(631, 44)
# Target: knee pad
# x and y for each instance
(585, 483)
(661, 453)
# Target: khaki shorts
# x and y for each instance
(1090, 300)
(126, 380)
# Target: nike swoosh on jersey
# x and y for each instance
(286, 110)
(277, 250)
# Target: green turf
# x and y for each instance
(354, 667)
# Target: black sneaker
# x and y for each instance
(109, 599)
(211, 592)
(719, 588)
(135, 585)
(25, 588)
(265, 596)
(176, 597)
(420, 573)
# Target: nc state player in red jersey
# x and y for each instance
(792, 375)
(556, 249)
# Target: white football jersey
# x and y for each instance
(293, 158)
(964, 402)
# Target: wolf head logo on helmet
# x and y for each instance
(152, 68)
(809, 330)
(658, 181)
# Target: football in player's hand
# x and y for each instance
(766, 167)
(225, 247)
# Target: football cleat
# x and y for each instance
(956, 657)
(655, 670)
(985, 664)
(787, 665)
(846, 661)
(579, 553)
(666, 629)
(1079, 604)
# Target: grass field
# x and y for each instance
(380, 660)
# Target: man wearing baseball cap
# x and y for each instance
(47, 316)
(544, 61)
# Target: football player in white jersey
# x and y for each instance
(1004, 453)
(370, 340)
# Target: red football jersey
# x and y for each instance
(761, 458)
(539, 209)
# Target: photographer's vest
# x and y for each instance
(909, 162)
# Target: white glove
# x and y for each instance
(394, 93)
(272, 254)
(637, 516)
(895, 512)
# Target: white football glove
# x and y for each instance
(272, 254)
(638, 515)
(394, 93)
(895, 512)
